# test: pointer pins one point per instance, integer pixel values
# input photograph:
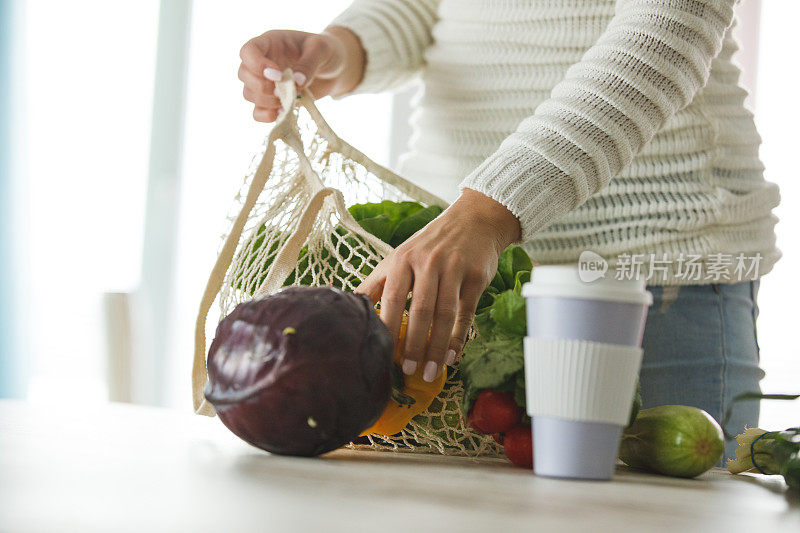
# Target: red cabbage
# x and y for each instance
(302, 371)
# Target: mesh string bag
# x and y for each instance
(290, 225)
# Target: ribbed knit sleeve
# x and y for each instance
(648, 64)
(394, 34)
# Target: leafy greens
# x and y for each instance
(494, 360)
(391, 222)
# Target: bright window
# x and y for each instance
(777, 116)
(221, 137)
(89, 86)
(88, 90)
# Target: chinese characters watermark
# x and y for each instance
(709, 268)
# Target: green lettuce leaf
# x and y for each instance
(522, 277)
(380, 226)
(411, 224)
(492, 363)
(508, 314)
(394, 211)
(513, 259)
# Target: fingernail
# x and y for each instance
(431, 371)
(299, 78)
(273, 74)
(409, 367)
(450, 357)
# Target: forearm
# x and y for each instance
(650, 62)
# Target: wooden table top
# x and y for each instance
(124, 468)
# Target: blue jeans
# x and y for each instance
(700, 349)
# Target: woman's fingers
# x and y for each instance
(373, 285)
(263, 60)
(260, 100)
(254, 55)
(258, 90)
(420, 315)
(317, 60)
(443, 319)
(256, 82)
(393, 299)
(467, 303)
(265, 115)
(267, 55)
(249, 95)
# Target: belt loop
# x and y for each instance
(669, 294)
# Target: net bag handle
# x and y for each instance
(283, 127)
(286, 129)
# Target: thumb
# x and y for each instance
(314, 53)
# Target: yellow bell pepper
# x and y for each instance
(397, 416)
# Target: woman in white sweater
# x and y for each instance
(616, 126)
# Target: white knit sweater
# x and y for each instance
(612, 126)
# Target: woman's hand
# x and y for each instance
(447, 265)
(331, 62)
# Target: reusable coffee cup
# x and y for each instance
(582, 359)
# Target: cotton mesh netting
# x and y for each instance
(290, 225)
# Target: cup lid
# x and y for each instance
(565, 281)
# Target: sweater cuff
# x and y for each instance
(535, 190)
(381, 60)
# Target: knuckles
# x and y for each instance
(243, 51)
(393, 301)
(423, 308)
(314, 44)
(440, 259)
(463, 322)
(263, 87)
(474, 273)
(445, 313)
(401, 255)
